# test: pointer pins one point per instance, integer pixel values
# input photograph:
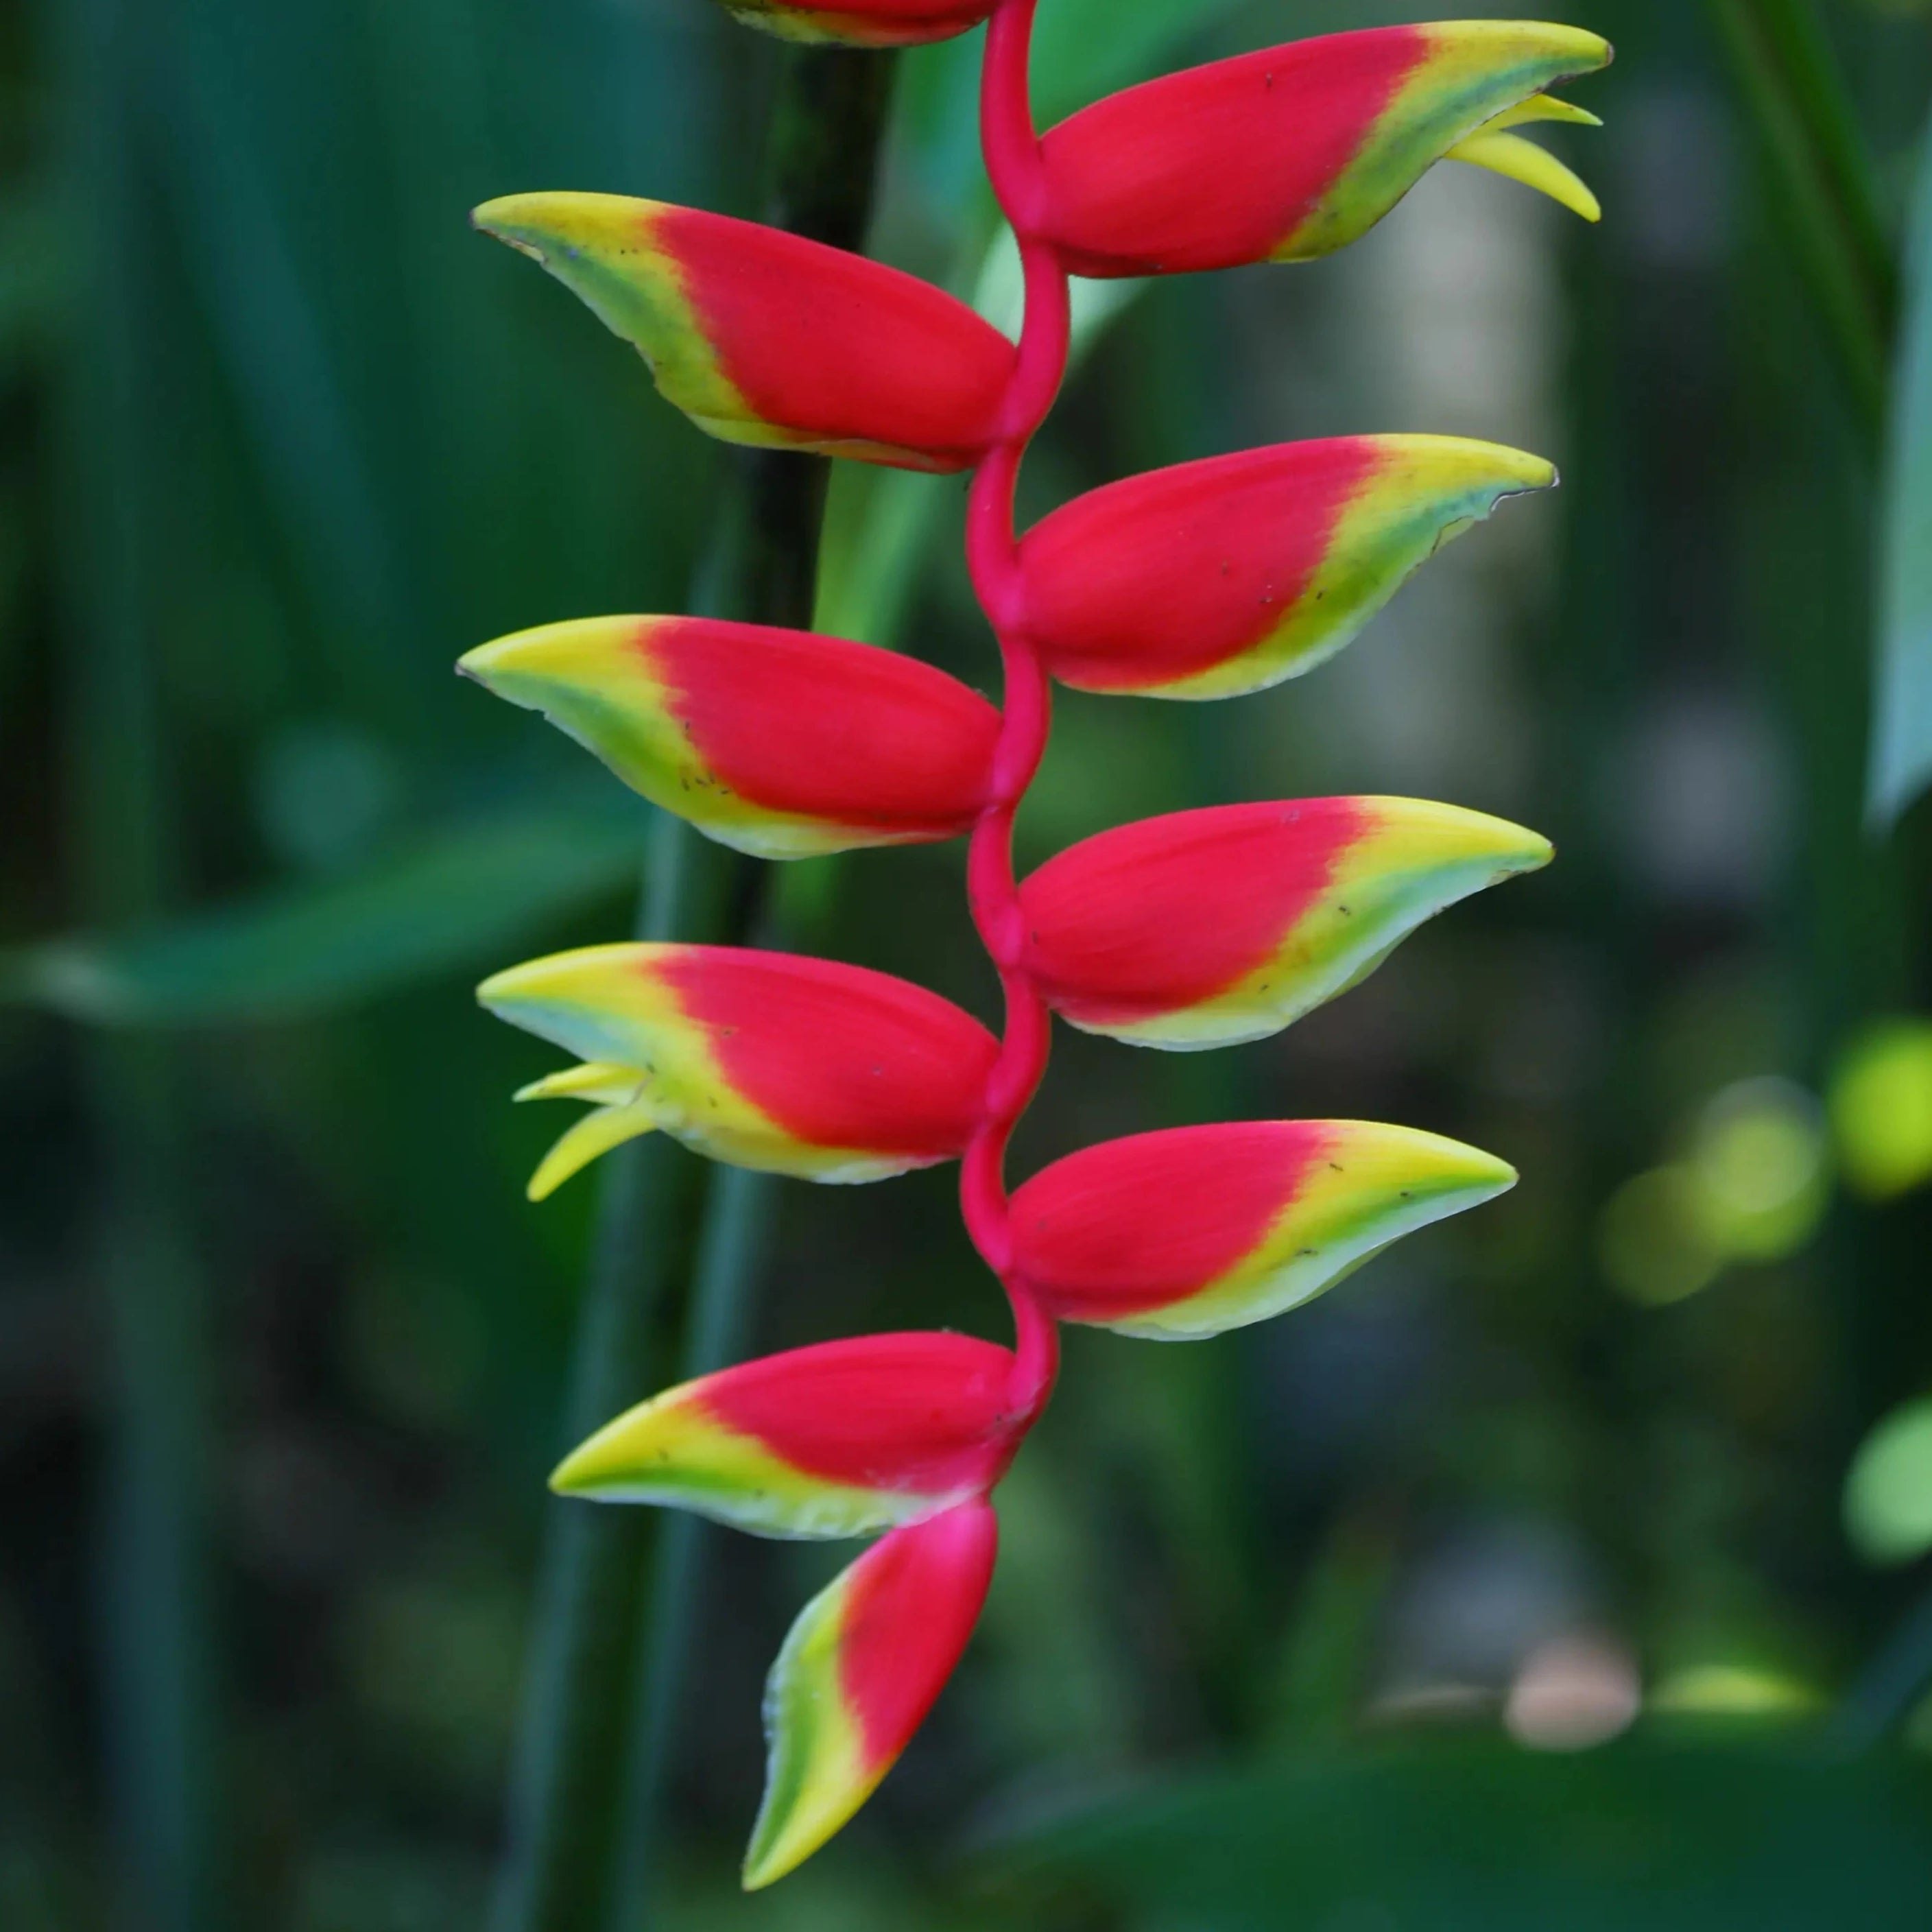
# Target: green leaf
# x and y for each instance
(459, 899)
(1478, 1836)
(1901, 754)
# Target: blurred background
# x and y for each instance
(1567, 1566)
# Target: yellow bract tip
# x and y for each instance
(1424, 832)
(565, 218)
(597, 1133)
(1524, 161)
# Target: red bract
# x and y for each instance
(857, 1675)
(766, 1060)
(1196, 1230)
(1199, 929)
(837, 1440)
(1208, 928)
(764, 338)
(782, 743)
(1221, 577)
(1289, 153)
(863, 23)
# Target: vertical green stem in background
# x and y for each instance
(1822, 185)
(581, 1795)
(155, 1613)
(737, 1234)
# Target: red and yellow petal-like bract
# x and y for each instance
(859, 1672)
(762, 337)
(781, 743)
(1188, 1232)
(844, 1439)
(1209, 928)
(863, 23)
(1217, 577)
(1290, 153)
(765, 1059)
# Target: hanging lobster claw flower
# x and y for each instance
(1217, 577)
(863, 23)
(842, 1439)
(1185, 1233)
(1288, 154)
(763, 338)
(781, 743)
(1210, 928)
(859, 1672)
(766, 1060)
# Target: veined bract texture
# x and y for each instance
(1201, 929)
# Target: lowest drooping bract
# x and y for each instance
(1205, 929)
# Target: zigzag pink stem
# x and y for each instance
(1013, 164)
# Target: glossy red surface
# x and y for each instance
(1141, 1223)
(838, 1056)
(914, 1599)
(839, 347)
(1166, 575)
(1155, 917)
(913, 1412)
(827, 728)
(1220, 165)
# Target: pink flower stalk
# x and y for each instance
(1203, 929)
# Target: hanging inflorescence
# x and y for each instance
(1201, 929)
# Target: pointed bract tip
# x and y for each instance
(1440, 1165)
(1574, 50)
(571, 649)
(1433, 832)
(586, 969)
(589, 1468)
(541, 224)
(1457, 462)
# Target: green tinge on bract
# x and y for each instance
(606, 1003)
(1475, 71)
(816, 1777)
(603, 248)
(1421, 858)
(773, 16)
(827, 26)
(670, 1451)
(1373, 1185)
(1424, 492)
(592, 678)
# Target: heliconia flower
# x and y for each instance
(863, 23)
(1209, 928)
(762, 337)
(782, 743)
(1187, 1232)
(842, 1439)
(1288, 154)
(859, 1672)
(1221, 577)
(766, 1060)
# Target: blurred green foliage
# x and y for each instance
(282, 439)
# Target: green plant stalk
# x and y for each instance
(157, 1624)
(573, 1805)
(736, 1236)
(1823, 186)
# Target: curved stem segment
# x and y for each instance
(1013, 164)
